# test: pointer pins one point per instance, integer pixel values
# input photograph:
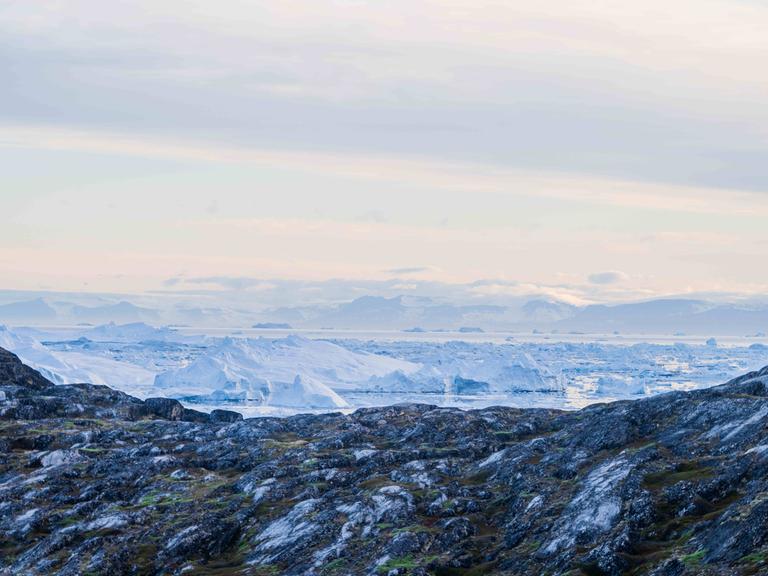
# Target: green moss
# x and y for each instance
(695, 558)
(406, 562)
(684, 471)
(284, 444)
(69, 521)
(685, 537)
(375, 483)
(149, 500)
(755, 559)
(416, 529)
(530, 547)
(476, 479)
(334, 566)
(266, 570)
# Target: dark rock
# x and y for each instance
(165, 408)
(14, 373)
(454, 531)
(225, 416)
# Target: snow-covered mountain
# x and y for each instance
(443, 311)
(292, 370)
(397, 313)
(37, 310)
(122, 312)
(669, 316)
(132, 332)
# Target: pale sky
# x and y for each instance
(617, 148)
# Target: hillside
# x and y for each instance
(93, 481)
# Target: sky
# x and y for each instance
(586, 150)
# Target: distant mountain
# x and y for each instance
(122, 312)
(370, 311)
(699, 316)
(30, 311)
(208, 316)
(453, 316)
(670, 316)
(543, 311)
(397, 313)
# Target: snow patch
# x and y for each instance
(365, 453)
(285, 532)
(493, 458)
(594, 509)
(60, 457)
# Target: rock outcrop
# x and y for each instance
(93, 481)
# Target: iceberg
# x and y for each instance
(292, 371)
(304, 392)
(34, 354)
(615, 385)
(133, 332)
(74, 367)
(463, 368)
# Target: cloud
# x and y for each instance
(402, 170)
(411, 270)
(600, 87)
(570, 135)
(612, 277)
(226, 282)
(575, 295)
(375, 216)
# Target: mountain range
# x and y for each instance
(669, 316)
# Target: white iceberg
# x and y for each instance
(469, 369)
(133, 332)
(75, 367)
(304, 392)
(270, 371)
(617, 385)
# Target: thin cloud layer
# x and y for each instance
(539, 143)
(650, 91)
(613, 277)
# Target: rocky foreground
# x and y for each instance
(93, 481)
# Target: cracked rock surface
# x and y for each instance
(93, 481)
